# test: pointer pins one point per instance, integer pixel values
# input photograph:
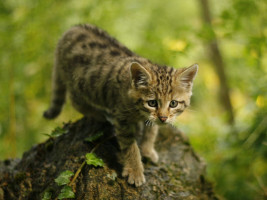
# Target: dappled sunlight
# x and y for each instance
(261, 101)
(175, 44)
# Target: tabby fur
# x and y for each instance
(107, 81)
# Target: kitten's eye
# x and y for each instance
(173, 104)
(152, 103)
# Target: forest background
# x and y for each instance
(227, 120)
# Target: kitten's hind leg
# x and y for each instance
(58, 95)
(147, 143)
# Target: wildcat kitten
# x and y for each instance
(107, 81)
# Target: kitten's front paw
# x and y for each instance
(134, 176)
(151, 154)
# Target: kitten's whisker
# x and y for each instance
(146, 122)
(172, 124)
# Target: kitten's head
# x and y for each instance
(161, 93)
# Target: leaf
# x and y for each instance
(46, 134)
(47, 195)
(66, 192)
(64, 177)
(91, 159)
(57, 132)
(94, 137)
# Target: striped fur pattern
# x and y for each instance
(107, 81)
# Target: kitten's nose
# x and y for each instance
(163, 118)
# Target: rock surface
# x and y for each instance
(180, 173)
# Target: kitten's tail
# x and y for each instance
(58, 95)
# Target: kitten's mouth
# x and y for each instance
(161, 123)
(157, 121)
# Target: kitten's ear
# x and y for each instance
(140, 76)
(188, 75)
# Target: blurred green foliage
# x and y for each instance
(169, 32)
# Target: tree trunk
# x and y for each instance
(178, 175)
(216, 57)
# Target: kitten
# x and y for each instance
(107, 81)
